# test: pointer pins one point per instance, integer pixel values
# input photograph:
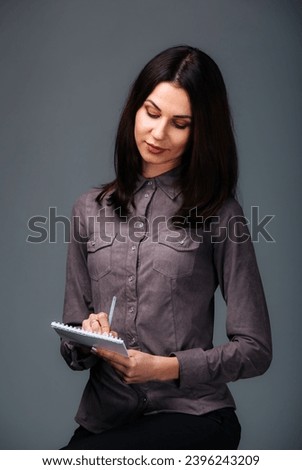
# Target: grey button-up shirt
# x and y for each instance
(164, 279)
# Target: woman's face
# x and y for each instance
(162, 128)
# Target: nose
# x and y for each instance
(159, 129)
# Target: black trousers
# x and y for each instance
(219, 430)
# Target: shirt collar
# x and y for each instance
(166, 181)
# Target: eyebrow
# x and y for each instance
(175, 115)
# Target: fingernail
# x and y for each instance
(94, 350)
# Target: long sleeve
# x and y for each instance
(249, 350)
(78, 296)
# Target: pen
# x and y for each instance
(112, 309)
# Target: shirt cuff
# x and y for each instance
(193, 368)
(76, 358)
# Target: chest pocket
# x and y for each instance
(99, 255)
(175, 258)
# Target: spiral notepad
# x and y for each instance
(86, 338)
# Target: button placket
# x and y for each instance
(139, 226)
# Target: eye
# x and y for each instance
(151, 114)
(181, 124)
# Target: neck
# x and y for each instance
(151, 171)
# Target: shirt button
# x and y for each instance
(133, 248)
(139, 225)
(131, 309)
(93, 243)
(149, 183)
(131, 278)
(146, 195)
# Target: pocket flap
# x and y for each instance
(99, 241)
(180, 242)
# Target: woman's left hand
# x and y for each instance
(141, 367)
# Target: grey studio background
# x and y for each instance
(65, 69)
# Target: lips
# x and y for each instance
(154, 149)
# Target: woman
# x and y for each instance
(161, 237)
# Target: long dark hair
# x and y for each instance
(209, 164)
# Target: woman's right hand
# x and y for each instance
(98, 323)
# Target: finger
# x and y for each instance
(91, 324)
(103, 321)
(95, 326)
(122, 366)
(127, 374)
(86, 325)
(114, 357)
(94, 350)
(114, 334)
(120, 370)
